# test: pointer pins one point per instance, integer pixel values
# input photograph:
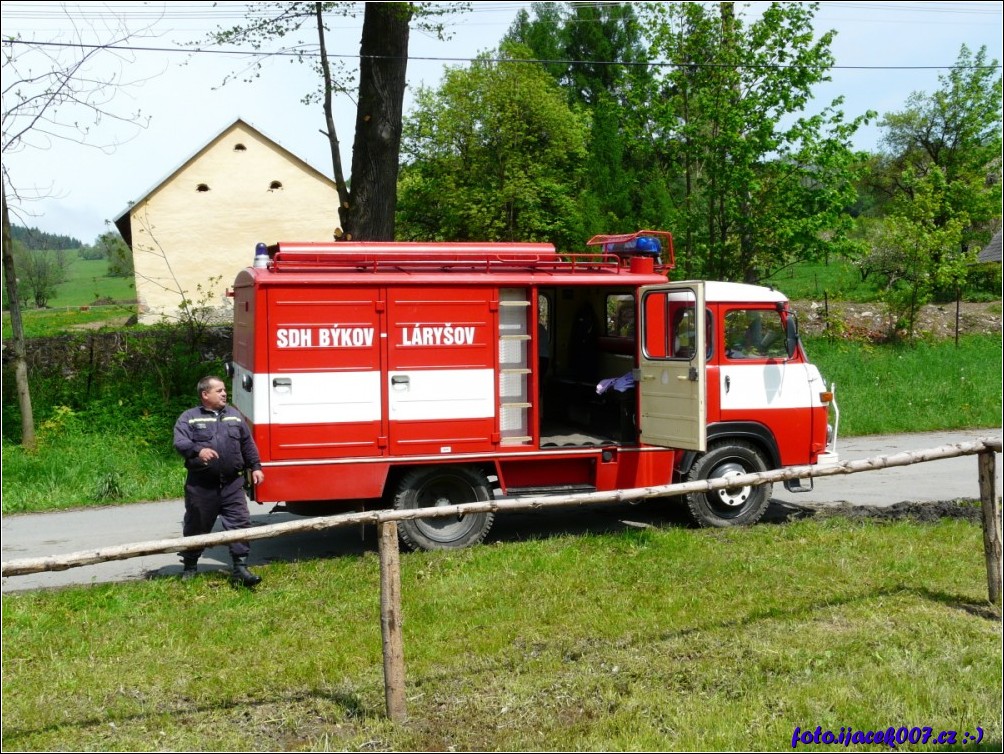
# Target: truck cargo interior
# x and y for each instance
(586, 348)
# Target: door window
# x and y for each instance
(685, 335)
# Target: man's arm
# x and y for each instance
(249, 452)
(184, 442)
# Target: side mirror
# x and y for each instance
(791, 335)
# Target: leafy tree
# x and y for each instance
(367, 208)
(114, 248)
(494, 153)
(713, 146)
(630, 177)
(908, 241)
(765, 184)
(92, 252)
(40, 272)
(591, 50)
(596, 53)
(33, 238)
(947, 145)
(604, 47)
(543, 35)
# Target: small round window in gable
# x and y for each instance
(202, 187)
(274, 186)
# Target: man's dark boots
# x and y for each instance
(241, 575)
(191, 568)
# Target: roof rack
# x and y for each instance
(411, 256)
(432, 257)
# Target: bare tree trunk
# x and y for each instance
(20, 363)
(689, 191)
(331, 133)
(382, 67)
(745, 263)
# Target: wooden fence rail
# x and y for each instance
(63, 562)
(386, 521)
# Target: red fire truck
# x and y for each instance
(407, 375)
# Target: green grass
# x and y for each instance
(931, 385)
(659, 639)
(40, 323)
(839, 281)
(111, 452)
(87, 280)
(76, 471)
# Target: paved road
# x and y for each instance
(39, 535)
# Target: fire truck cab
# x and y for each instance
(407, 375)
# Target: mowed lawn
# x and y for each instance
(665, 638)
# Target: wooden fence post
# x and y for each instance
(991, 524)
(390, 622)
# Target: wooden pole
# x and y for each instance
(991, 524)
(390, 622)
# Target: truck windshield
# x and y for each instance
(754, 334)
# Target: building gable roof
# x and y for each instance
(992, 251)
(122, 221)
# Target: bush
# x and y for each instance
(91, 252)
(133, 383)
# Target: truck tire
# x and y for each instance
(443, 485)
(734, 507)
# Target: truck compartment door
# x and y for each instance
(441, 369)
(672, 361)
(323, 381)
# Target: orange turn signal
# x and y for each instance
(826, 397)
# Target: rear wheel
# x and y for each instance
(439, 486)
(732, 507)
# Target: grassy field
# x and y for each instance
(656, 639)
(73, 306)
(839, 281)
(87, 280)
(930, 385)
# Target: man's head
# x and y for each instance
(213, 393)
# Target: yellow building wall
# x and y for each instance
(191, 243)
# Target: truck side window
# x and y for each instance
(754, 334)
(620, 316)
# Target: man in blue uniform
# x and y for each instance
(217, 447)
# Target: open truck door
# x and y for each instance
(672, 364)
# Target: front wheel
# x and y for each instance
(728, 507)
(438, 486)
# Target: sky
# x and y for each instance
(884, 51)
